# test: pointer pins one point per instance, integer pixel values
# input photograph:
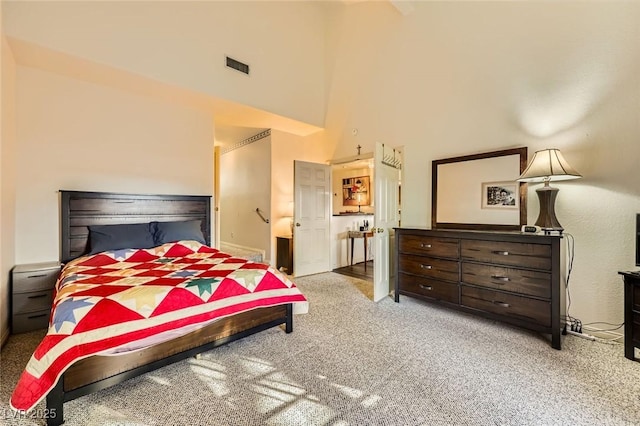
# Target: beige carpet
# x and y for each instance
(350, 361)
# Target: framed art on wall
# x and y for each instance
(356, 191)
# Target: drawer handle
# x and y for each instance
(425, 266)
(503, 304)
(426, 287)
(37, 316)
(423, 245)
(37, 276)
(501, 253)
(37, 297)
(500, 278)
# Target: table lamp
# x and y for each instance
(545, 166)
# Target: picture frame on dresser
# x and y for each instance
(459, 186)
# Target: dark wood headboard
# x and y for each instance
(79, 210)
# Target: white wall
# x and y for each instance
(185, 43)
(245, 185)
(75, 135)
(7, 182)
(456, 78)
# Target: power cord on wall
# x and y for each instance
(574, 323)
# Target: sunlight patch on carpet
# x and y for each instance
(302, 412)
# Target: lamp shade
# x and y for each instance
(547, 165)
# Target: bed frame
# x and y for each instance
(82, 209)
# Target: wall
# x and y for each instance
(457, 78)
(7, 182)
(245, 185)
(185, 43)
(76, 135)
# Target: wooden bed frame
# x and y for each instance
(82, 209)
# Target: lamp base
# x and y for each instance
(547, 218)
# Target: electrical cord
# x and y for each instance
(617, 326)
(575, 323)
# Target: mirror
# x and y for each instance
(480, 191)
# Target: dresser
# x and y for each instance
(631, 314)
(506, 276)
(32, 295)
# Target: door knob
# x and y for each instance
(297, 223)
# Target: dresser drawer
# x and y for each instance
(431, 246)
(434, 289)
(429, 267)
(537, 256)
(34, 301)
(25, 281)
(533, 283)
(30, 321)
(508, 305)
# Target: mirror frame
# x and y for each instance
(522, 189)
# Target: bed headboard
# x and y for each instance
(79, 210)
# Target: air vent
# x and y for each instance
(237, 65)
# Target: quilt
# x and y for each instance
(115, 298)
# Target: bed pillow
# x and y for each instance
(123, 236)
(168, 232)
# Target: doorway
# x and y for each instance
(353, 216)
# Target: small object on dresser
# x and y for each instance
(32, 295)
(531, 229)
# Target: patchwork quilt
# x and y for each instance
(116, 298)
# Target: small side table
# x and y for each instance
(360, 234)
(284, 254)
(32, 295)
(631, 313)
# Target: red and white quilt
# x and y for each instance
(114, 299)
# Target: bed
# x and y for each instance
(204, 298)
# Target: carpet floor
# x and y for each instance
(350, 361)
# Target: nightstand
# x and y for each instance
(32, 295)
(284, 254)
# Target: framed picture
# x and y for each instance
(500, 195)
(355, 191)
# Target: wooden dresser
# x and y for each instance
(507, 276)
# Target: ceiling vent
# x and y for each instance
(237, 65)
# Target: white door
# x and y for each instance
(386, 183)
(311, 218)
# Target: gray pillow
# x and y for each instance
(168, 232)
(117, 237)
